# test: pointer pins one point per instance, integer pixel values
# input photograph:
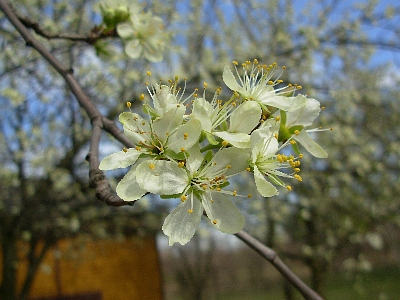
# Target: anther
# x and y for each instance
(125, 150)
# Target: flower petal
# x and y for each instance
(236, 139)
(136, 128)
(263, 135)
(181, 224)
(163, 99)
(305, 115)
(230, 80)
(245, 117)
(128, 188)
(185, 137)
(307, 142)
(281, 102)
(162, 177)
(235, 158)
(223, 214)
(125, 31)
(201, 111)
(264, 187)
(195, 158)
(120, 159)
(133, 49)
(169, 122)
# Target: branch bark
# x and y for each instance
(273, 258)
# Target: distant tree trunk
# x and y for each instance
(287, 290)
(270, 234)
(9, 272)
(34, 263)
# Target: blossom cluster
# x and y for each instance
(190, 148)
(142, 33)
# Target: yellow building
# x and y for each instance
(99, 269)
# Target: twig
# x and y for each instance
(274, 259)
(97, 32)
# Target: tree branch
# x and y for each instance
(273, 258)
(96, 33)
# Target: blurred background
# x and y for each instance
(338, 229)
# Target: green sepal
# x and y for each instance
(224, 126)
(283, 117)
(101, 49)
(294, 128)
(210, 147)
(211, 138)
(284, 133)
(176, 156)
(295, 148)
(147, 109)
(207, 158)
(170, 196)
(202, 136)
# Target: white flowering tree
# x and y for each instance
(184, 142)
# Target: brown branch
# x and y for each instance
(273, 258)
(96, 33)
(96, 176)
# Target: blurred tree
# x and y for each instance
(327, 46)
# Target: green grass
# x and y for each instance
(380, 284)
